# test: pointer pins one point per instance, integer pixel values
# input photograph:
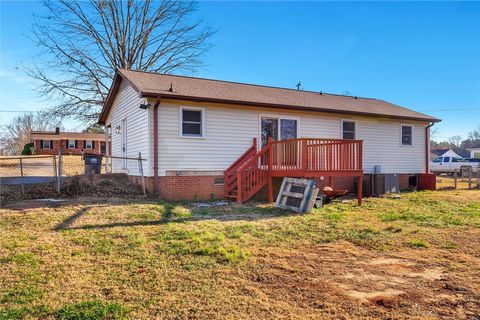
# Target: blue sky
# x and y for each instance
(421, 55)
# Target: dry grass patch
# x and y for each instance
(417, 256)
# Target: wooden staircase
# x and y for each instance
(243, 171)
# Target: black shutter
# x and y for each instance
(51, 144)
(84, 144)
(76, 144)
(93, 144)
(41, 144)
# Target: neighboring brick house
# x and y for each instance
(48, 142)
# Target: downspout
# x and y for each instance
(427, 147)
(155, 148)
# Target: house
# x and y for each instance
(207, 139)
(474, 152)
(444, 153)
(49, 142)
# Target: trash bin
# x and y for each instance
(93, 163)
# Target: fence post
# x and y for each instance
(478, 176)
(470, 173)
(59, 175)
(140, 168)
(455, 174)
(55, 182)
(21, 173)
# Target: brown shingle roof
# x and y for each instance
(199, 89)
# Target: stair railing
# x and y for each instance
(253, 175)
(230, 174)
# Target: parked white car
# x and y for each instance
(450, 164)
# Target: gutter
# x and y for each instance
(427, 147)
(156, 190)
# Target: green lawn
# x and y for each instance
(418, 256)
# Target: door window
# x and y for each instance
(288, 129)
(278, 129)
(269, 130)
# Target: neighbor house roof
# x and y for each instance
(199, 89)
(52, 135)
(439, 152)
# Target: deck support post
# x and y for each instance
(239, 187)
(359, 189)
(270, 164)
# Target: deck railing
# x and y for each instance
(316, 155)
(303, 157)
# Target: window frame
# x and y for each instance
(49, 144)
(86, 144)
(180, 122)
(354, 129)
(68, 144)
(279, 117)
(401, 135)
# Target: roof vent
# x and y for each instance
(171, 87)
(356, 97)
(321, 93)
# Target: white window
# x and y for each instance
(46, 144)
(88, 144)
(192, 122)
(71, 144)
(348, 129)
(278, 128)
(406, 135)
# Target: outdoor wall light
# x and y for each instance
(117, 130)
(144, 106)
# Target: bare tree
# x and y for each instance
(16, 134)
(84, 42)
(455, 141)
(474, 135)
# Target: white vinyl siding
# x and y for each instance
(229, 131)
(127, 106)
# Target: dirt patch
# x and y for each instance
(362, 284)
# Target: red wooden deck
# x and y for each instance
(306, 158)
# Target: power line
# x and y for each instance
(18, 111)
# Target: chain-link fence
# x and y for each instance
(38, 176)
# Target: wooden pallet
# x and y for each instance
(295, 194)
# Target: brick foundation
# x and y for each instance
(204, 188)
(187, 187)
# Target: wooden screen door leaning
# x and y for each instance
(278, 128)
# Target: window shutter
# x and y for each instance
(84, 144)
(41, 144)
(76, 144)
(51, 144)
(93, 144)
